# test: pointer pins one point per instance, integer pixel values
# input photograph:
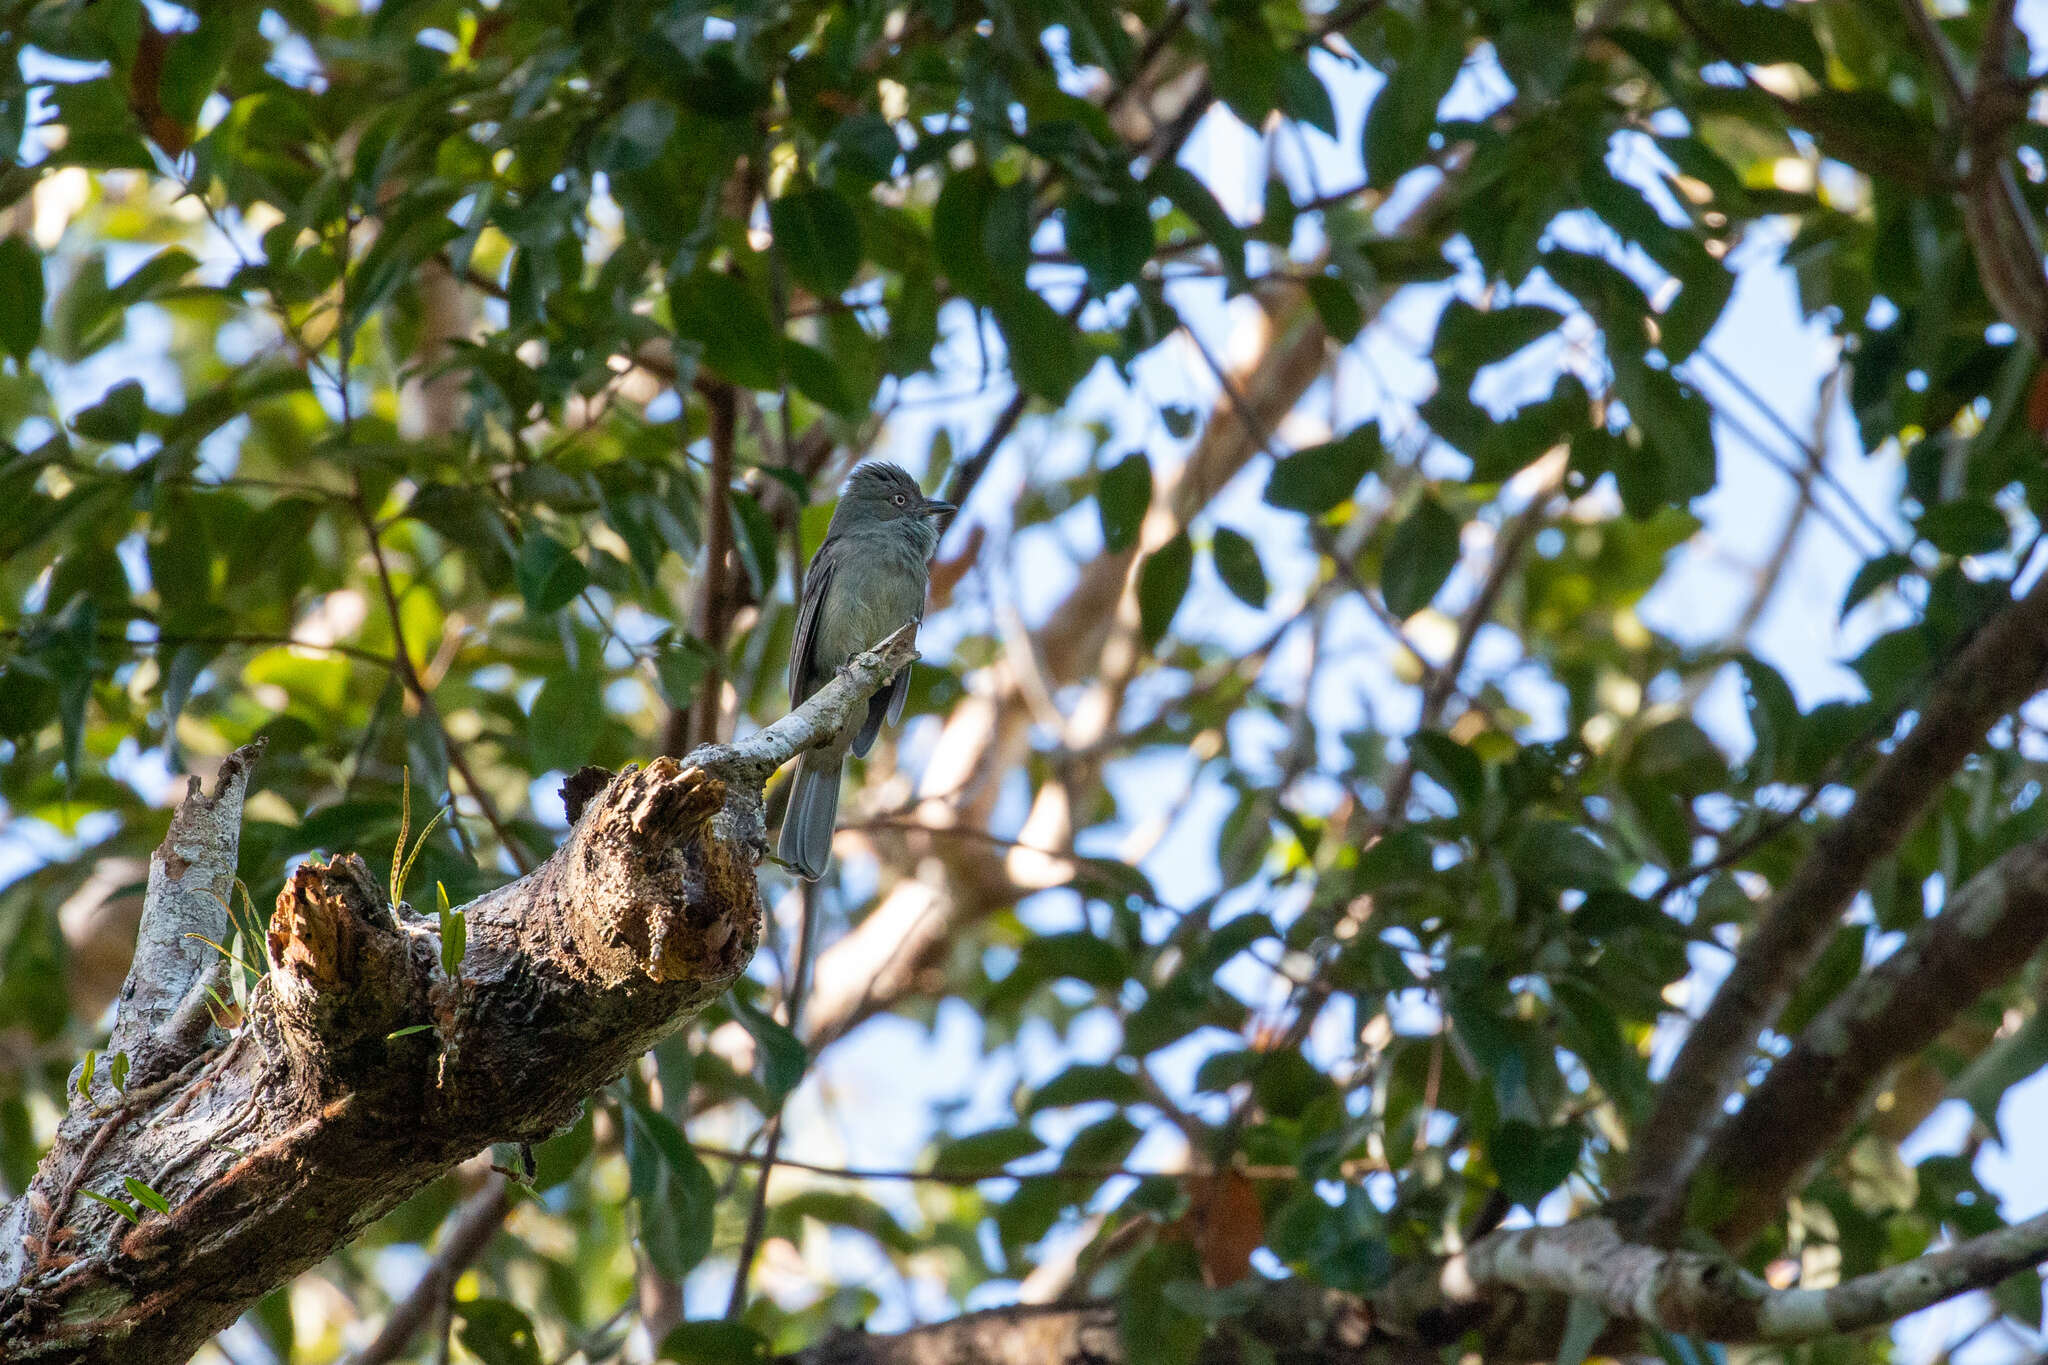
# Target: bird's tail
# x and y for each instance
(806, 840)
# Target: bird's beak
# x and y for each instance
(937, 507)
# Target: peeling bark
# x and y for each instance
(328, 1107)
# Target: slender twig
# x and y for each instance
(409, 676)
(469, 1233)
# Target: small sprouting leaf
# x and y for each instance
(783, 1058)
(1162, 583)
(454, 933)
(120, 1206)
(145, 1196)
(117, 1070)
(1121, 497)
(1237, 564)
(407, 1031)
(85, 1074)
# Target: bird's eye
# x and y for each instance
(899, 499)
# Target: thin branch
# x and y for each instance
(409, 676)
(469, 1233)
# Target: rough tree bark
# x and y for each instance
(328, 1105)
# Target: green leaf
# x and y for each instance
(730, 325)
(680, 665)
(567, 717)
(783, 1058)
(1111, 238)
(819, 238)
(1336, 303)
(117, 1070)
(406, 1032)
(21, 297)
(1467, 339)
(1086, 1083)
(1968, 527)
(1046, 356)
(1403, 114)
(1188, 194)
(550, 575)
(1304, 99)
(1237, 564)
(991, 1150)
(86, 1069)
(1583, 1323)
(1875, 574)
(1319, 478)
(675, 1194)
(1533, 1161)
(1162, 583)
(120, 1206)
(117, 418)
(497, 1332)
(1419, 557)
(144, 1196)
(714, 1343)
(1121, 498)
(1677, 462)
(633, 138)
(454, 933)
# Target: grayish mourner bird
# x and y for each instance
(867, 581)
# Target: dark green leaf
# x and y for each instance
(567, 716)
(675, 1194)
(1193, 198)
(990, 1150)
(550, 575)
(1122, 497)
(1111, 238)
(1162, 583)
(1968, 527)
(1318, 478)
(117, 418)
(819, 236)
(1085, 1083)
(496, 1332)
(783, 1058)
(724, 317)
(21, 297)
(1237, 564)
(1419, 557)
(1532, 1161)
(714, 1343)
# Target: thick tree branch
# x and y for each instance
(1686, 1292)
(363, 1071)
(1984, 935)
(1992, 676)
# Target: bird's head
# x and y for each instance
(879, 491)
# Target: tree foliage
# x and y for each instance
(445, 393)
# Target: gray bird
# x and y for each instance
(867, 581)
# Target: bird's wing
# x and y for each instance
(803, 649)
